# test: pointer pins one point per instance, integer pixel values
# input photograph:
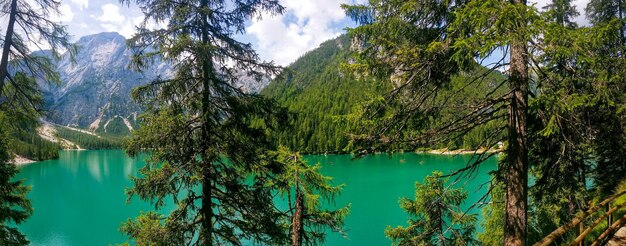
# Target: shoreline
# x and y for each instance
(20, 161)
(446, 151)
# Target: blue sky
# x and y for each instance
(305, 25)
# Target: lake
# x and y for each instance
(79, 198)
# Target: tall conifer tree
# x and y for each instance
(205, 154)
(603, 11)
(436, 218)
(308, 218)
(15, 208)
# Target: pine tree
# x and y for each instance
(557, 117)
(493, 214)
(562, 12)
(205, 154)
(436, 218)
(603, 11)
(308, 219)
(609, 86)
(15, 208)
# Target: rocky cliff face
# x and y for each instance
(95, 89)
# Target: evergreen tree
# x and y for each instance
(420, 45)
(308, 219)
(557, 116)
(562, 12)
(493, 214)
(609, 88)
(15, 208)
(603, 11)
(206, 155)
(436, 218)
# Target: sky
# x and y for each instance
(282, 39)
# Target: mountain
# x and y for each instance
(95, 90)
(320, 96)
(326, 101)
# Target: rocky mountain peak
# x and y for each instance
(95, 89)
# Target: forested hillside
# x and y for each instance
(30, 145)
(320, 96)
(90, 141)
(327, 103)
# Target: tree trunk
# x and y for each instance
(207, 209)
(297, 228)
(516, 171)
(207, 186)
(8, 41)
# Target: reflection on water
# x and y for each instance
(79, 198)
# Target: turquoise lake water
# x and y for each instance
(79, 198)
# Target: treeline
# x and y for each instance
(30, 145)
(88, 141)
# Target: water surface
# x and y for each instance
(79, 198)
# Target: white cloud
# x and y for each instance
(112, 20)
(65, 16)
(129, 27)
(305, 25)
(81, 3)
(111, 14)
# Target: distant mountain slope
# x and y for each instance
(323, 99)
(320, 95)
(95, 89)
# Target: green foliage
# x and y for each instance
(310, 190)
(208, 139)
(436, 218)
(148, 229)
(89, 141)
(562, 12)
(329, 106)
(23, 109)
(602, 11)
(115, 127)
(493, 214)
(20, 99)
(29, 144)
(321, 99)
(15, 208)
(574, 77)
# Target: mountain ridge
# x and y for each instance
(95, 88)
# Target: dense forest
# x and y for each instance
(90, 141)
(321, 99)
(327, 103)
(30, 145)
